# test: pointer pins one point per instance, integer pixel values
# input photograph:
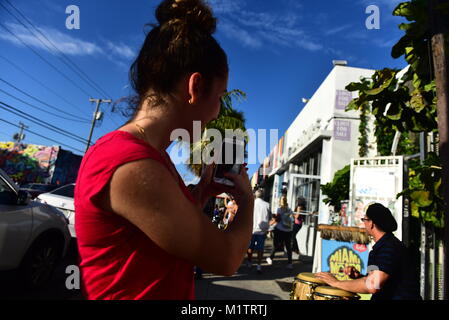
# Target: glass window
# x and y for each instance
(307, 189)
(66, 191)
(3, 186)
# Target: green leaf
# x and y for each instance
(394, 112)
(421, 198)
(356, 86)
(414, 209)
(398, 49)
(386, 76)
(417, 102)
(403, 10)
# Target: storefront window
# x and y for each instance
(306, 182)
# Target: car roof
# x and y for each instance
(9, 181)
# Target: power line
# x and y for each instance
(45, 60)
(40, 82)
(42, 123)
(79, 119)
(69, 63)
(40, 109)
(41, 136)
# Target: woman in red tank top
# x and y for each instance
(139, 230)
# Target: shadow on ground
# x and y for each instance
(273, 283)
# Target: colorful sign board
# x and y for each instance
(336, 255)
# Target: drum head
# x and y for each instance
(330, 291)
(309, 277)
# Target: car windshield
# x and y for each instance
(33, 186)
(66, 191)
(4, 187)
(8, 180)
(41, 187)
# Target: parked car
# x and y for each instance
(34, 237)
(36, 189)
(62, 199)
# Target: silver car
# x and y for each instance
(34, 237)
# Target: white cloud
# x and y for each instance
(257, 29)
(65, 43)
(224, 6)
(234, 32)
(120, 49)
(336, 30)
(118, 53)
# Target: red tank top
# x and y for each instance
(118, 260)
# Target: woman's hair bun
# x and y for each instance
(195, 13)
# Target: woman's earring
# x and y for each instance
(190, 101)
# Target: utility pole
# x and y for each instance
(18, 137)
(441, 65)
(97, 116)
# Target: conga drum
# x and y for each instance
(304, 285)
(330, 293)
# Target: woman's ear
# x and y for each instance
(195, 80)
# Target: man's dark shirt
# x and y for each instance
(390, 256)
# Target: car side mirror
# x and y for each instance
(23, 198)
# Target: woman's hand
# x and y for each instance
(207, 187)
(242, 190)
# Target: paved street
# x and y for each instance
(273, 284)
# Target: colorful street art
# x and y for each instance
(26, 163)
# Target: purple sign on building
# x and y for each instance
(342, 99)
(342, 130)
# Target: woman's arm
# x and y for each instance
(146, 194)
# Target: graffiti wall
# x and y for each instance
(42, 164)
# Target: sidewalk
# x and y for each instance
(274, 283)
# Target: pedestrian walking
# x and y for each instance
(392, 275)
(283, 232)
(300, 207)
(140, 230)
(261, 219)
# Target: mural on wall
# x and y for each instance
(26, 163)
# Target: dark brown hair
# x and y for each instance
(181, 43)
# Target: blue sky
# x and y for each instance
(279, 52)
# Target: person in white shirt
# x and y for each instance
(283, 231)
(262, 216)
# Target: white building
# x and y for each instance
(320, 141)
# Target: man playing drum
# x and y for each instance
(390, 273)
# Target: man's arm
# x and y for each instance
(369, 284)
